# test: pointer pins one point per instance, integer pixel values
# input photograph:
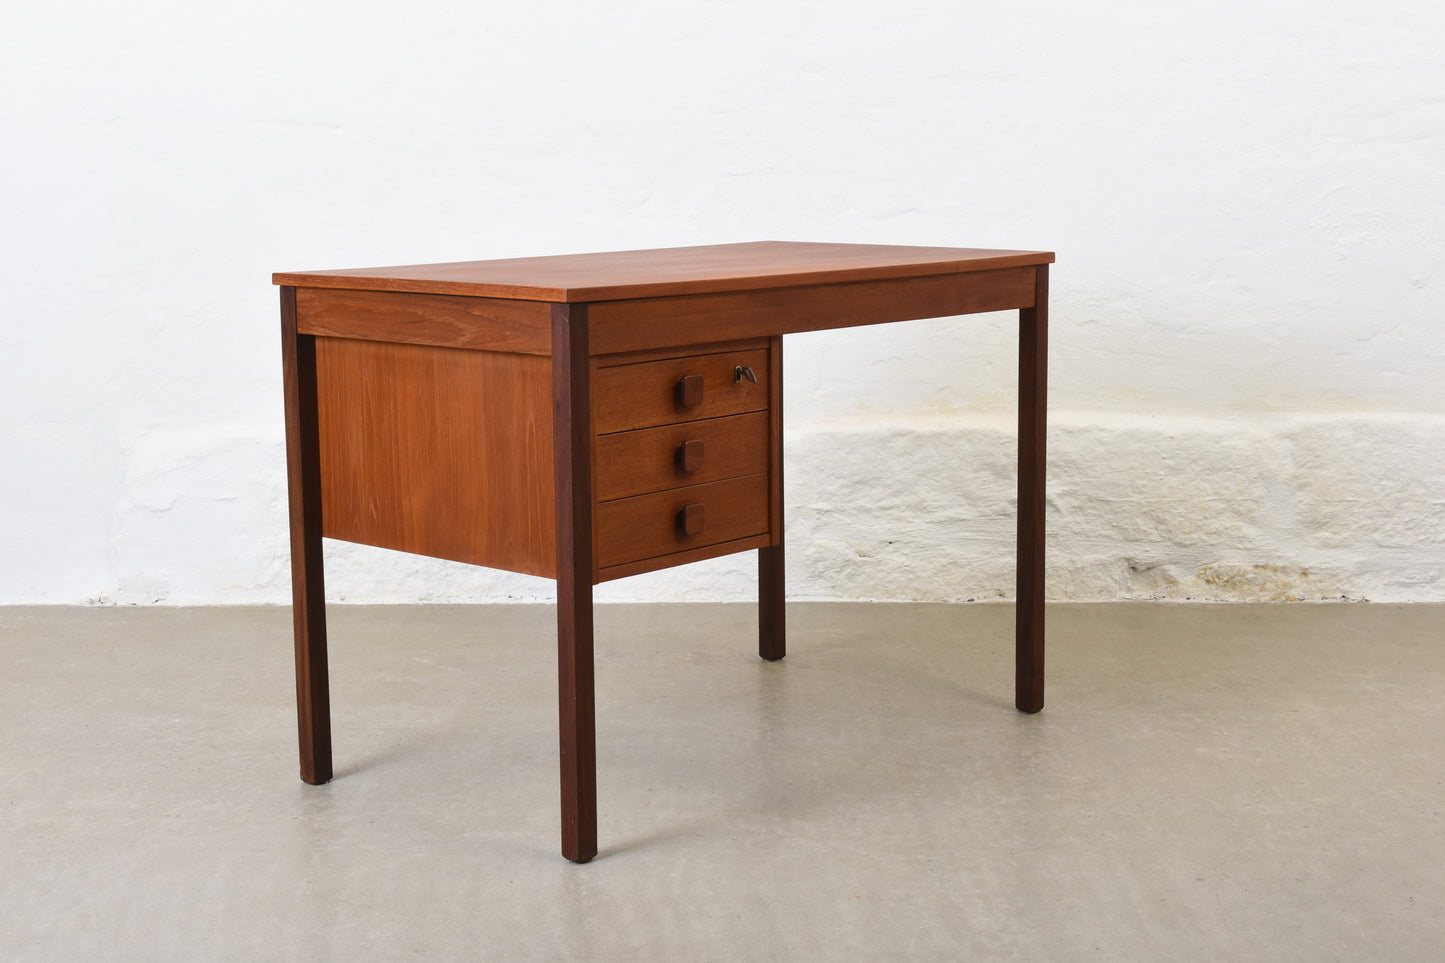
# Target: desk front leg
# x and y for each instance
(772, 612)
(308, 593)
(572, 451)
(1033, 406)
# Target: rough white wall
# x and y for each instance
(1246, 199)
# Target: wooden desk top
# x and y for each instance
(664, 272)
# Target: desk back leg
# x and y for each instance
(1033, 406)
(772, 614)
(308, 592)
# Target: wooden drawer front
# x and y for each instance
(649, 393)
(647, 526)
(654, 459)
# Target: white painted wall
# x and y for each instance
(1246, 198)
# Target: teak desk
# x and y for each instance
(589, 417)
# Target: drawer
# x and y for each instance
(653, 459)
(649, 393)
(647, 526)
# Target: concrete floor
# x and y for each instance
(1206, 783)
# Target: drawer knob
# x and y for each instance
(744, 371)
(689, 391)
(692, 519)
(689, 455)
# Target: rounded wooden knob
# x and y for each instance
(689, 455)
(689, 391)
(692, 519)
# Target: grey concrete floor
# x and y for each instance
(1206, 783)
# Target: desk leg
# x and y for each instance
(772, 632)
(772, 613)
(308, 593)
(572, 450)
(1033, 405)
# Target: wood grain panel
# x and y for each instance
(625, 397)
(646, 526)
(438, 451)
(487, 324)
(636, 462)
(664, 322)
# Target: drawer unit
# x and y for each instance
(683, 459)
(405, 427)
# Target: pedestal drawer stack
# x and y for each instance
(682, 456)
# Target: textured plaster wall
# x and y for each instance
(1246, 199)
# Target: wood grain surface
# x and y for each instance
(665, 322)
(438, 451)
(489, 324)
(668, 272)
(646, 526)
(642, 395)
(651, 459)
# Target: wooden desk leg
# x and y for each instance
(572, 449)
(1033, 405)
(772, 613)
(308, 592)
